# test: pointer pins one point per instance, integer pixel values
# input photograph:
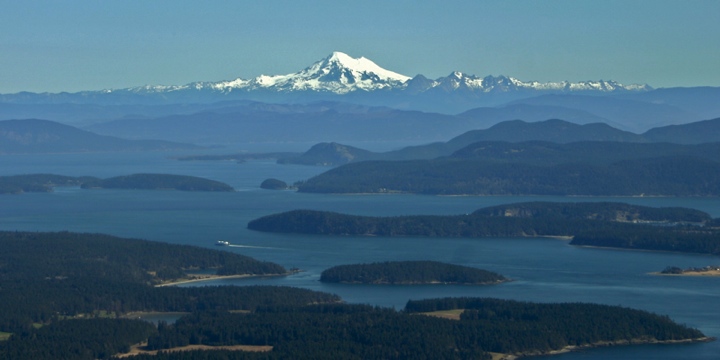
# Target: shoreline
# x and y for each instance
(218, 277)
(393, 192)
(571, 348)
(708, 273)
(418, 283)
(644, 250)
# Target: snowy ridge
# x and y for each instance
(460, 81)
(340, 73)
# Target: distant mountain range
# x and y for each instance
(43, 136)
(341, 74)
(363, 87)
(345, 122)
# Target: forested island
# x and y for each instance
(410, 272)
(603, 224)
(590, 168)
(273, 184)
(17, 184)
(63, 295)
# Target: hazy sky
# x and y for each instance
(90, 45)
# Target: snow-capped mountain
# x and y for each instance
(339, 77)
(338, 73)
(341, 74)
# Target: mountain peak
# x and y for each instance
(341, 58)
(359, 65)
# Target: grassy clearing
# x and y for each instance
(138, 349)
(4, 335)
(446, 314)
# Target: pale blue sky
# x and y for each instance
(90, 45)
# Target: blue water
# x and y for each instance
(545, 270)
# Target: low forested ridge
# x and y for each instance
(158, 181)
(360, 331)
(16, 184)
(410, 272)
(597, 224)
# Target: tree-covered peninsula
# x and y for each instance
(63, 294)
(339, 331)
(46, 276)
(541, 328)
(17, 184)
(410, 273)
(604, 224)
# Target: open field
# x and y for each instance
(138, 349)
(446, 314)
